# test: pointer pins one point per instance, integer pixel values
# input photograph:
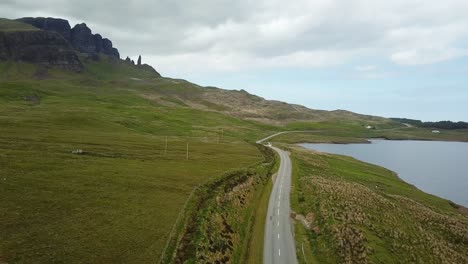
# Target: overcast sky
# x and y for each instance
(406, 58)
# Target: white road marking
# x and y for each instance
(282, 181)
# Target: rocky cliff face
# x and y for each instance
(51, 42)
(80, 36)
(4, 52)
(40, 47)
(58, 25)
(84, 41)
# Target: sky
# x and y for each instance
(399, 58)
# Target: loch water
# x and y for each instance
(435, 167)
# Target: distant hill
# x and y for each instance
(51, 42)
(439, 124)
(248, 106)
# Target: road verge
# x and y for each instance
(217, 221)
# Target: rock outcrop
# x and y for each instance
(108, 49)
(58, 25)
(80, 36)
(98, 42)
(51, 42)
(82, 39)
(45, 48)
(128, 60)
(4, 51)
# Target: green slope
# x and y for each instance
(362, 213)
(7, 25)
(118, 201)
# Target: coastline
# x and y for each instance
(459, 207)
(338, 192)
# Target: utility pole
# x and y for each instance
(220, 135)
(165, 148)
(187, 151)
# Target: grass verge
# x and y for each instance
(362, 213)
(221, 216)
(255, 249)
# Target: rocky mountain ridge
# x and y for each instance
(44, 48)
(80, 36)
(51, 42)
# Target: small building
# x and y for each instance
(369, 127)
(436, 131)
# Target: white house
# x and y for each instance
(369, 127)
(436, 131)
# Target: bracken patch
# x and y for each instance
(346, 210)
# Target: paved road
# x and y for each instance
(285, 132)
(279, 246)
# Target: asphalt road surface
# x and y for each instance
(279, 244)
(286, 132)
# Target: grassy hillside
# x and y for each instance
(7, 25)
(251, 107)
(361, 213)
(117, 201)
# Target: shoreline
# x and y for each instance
(369, 141)
(459, 207)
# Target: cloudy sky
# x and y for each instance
(406, 58)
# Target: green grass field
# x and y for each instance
(362, 213)
(118, 201)
(7, 25)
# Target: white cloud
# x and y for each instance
(370, 72)
(426, 55)
(225, 35)
(366, 68)
(230, 62)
